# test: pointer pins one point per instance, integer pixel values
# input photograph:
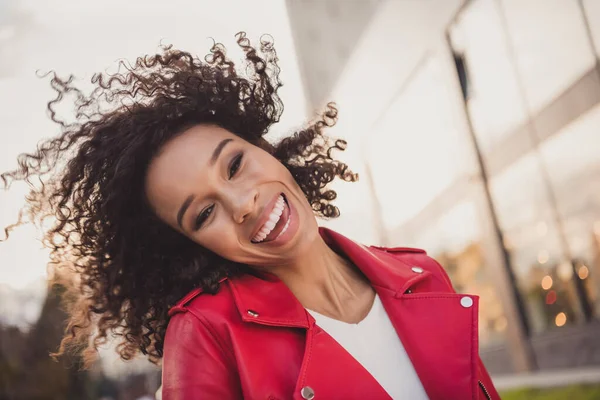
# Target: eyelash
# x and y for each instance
(203, 216)
(235, 164)
(234, 167)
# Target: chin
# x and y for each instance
(307, 234)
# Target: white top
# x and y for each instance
(373, 342)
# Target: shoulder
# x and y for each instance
(416, 257)
(198, 301)
(204, 310)
(198, 359)
(201, 316)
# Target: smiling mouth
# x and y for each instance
(277, 222)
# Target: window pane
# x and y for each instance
(551, 46)
(574, 167)
(592, 12)
(454, 241)
(532, 239)
(418, 132)
(495, 105)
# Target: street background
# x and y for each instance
(474, 126)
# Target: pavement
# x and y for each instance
(548, 378)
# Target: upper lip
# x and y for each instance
(264, 216)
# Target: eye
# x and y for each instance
(235, 164)
(203, 216)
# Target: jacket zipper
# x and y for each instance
(487, 394)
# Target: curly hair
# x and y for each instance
(127, 278)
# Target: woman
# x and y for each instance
(195, 241)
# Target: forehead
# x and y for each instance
(179, 165)
(198, 142)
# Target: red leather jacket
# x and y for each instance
(254, 340)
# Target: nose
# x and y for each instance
(243, 204)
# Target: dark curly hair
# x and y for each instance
(123, 279)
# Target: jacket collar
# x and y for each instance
(383, 270)
(264, 299)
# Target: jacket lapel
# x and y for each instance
(327, 368)
(264, 299)
(330, 372)
(440, 337)
(438, 329)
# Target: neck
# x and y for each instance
(325, 282)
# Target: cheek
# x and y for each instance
(221, 238)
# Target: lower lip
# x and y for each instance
(289, 232)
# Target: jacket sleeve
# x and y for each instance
(195, 364)
(484, 376)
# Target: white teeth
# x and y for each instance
(270, 225)
(277, 211)
(272, 221)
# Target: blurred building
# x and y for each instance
(325, 34)
(479, 122)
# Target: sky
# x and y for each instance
(80, 37)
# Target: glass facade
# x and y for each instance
(591, 10)
(495, 106)
(572, 160)
(533, 242)
(518, 73)
(415, 140)
(530, 91)
(550, 46)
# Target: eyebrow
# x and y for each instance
(183, 209)
(213, 159)
(218, 150)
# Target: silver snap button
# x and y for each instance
(466, 302)
(252, 313)
(408, 291)
(307, 393)
(418, 270)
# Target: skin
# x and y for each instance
(236, 191)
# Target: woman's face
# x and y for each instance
(230, 197)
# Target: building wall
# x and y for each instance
(477, 124)
(325, 33)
